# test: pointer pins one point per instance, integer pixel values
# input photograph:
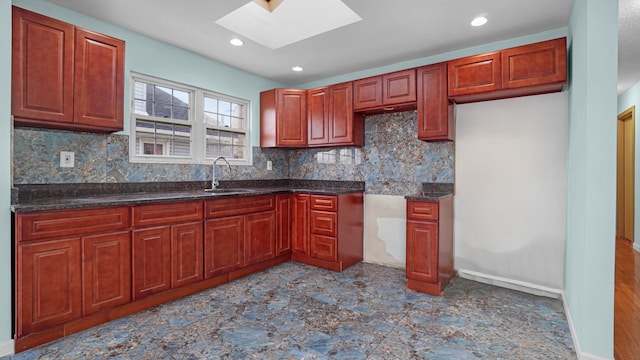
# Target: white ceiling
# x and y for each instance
(390, 32)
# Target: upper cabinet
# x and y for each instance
(525, 70)
(435, 111)
(331, 118)
(283, 118)
(388, 90)
(65, 77)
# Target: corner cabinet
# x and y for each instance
(65, 77)
(537, 68)
(283, 118)
(327, 230)
(429, 245)
(331, 119)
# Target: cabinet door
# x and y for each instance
(42, 68)
(151, 261)
(435, 111)
(223, 245)
(291, 118)
(342, 127)
(535, 64)
(475, 74)
(106, 271)
(300, 224)
(399, 87)
(317, 116)
(98, 81)
(49, 284)
(367, 93)
(422, 250)
(260, 237)
(187, 243)
(283, 224)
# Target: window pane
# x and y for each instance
(140, 107)
(224, 121)
(180, 97)
(210, 105)
(237, 110)
(162, 110)
(161, 139)
(224, 107)
(237, 123)
(162, 95)
(180, 112)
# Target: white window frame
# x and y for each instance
(196, 122)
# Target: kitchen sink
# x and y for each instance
(228, 191)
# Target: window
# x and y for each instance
(174, 123)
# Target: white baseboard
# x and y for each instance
(636, 246)
(6, 348)
(576, 343)
(511, 284)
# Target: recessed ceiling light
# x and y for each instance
(236, 42)
(297, 68)
(479, 21)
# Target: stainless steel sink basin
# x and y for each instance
(227, 191)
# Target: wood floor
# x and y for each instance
(627, 302)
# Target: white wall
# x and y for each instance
(385, 230)
(510, 200)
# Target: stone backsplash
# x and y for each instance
(392, 162)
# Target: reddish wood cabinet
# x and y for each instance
(397, 88)
(70, 263)
(284, 210)
(65, 77)
(524, 70)
(239, 231)
(106, 271)
(328, 230)
(49, 284)
(331, 119)
(167, 246)
(300, 224)
(283, 118)
(151, 261)
(429, 245)
(435, 111)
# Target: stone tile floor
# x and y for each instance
(295, 311)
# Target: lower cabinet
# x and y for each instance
(106, 271)
(82, 267)
(151, 261)
(49, 284)
(239, 232)
(328, 230)
(167, 246)
(429, 245)
(223, 245)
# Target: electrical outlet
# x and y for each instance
(67, 159)
(269, 165)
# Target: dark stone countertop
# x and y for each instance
(70, 196)
(433, 192)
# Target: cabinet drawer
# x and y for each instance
(422, 210)
(324, 247)
(238, 205)
(160, 214)
(324, 223)
(324, 202)
(52, 224)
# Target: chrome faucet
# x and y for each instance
(214, 182)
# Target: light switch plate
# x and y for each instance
(67, 159)
(269, 165)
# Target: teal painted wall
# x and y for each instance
(626, 100)
(147, 56)
(590, 246)
(5, 172)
